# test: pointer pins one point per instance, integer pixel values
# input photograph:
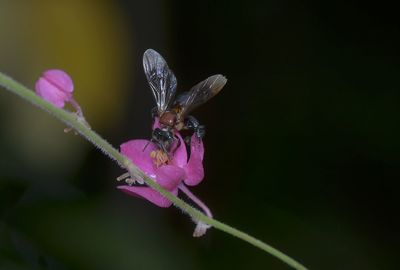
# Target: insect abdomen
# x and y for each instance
(168, 119)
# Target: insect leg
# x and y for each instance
(200, 131)
(193, 124)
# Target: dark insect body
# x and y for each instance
(174, 114)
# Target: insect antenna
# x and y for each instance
(147, 144)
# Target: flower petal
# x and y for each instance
(197, 146)
(149, 194)
(51, 93)
(180, 154)
(156, 123)
(139, 154)
(60, 79)
(169, 176)
(194, 168)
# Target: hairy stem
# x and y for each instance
(75, 122)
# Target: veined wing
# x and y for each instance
(161, 79)
(199, 94)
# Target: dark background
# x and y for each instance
(302, 145)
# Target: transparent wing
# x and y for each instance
(161, 79)
(199, 94)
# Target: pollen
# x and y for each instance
(159, 157)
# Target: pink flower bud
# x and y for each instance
(55, 86)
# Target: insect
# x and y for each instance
(173, 113)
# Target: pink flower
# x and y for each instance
(170, 172)
(55, 86)
(173, 171)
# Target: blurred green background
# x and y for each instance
(302, 145)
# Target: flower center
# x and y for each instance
(159, 157)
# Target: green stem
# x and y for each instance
(81, 127)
